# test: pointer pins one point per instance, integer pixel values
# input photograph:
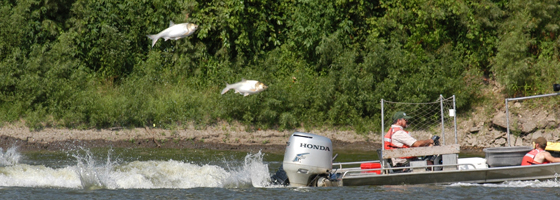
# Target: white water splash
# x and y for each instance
(10, 157)
(23, 175)
(253, 171)
(514, 184)
(168, 174)
(90, 173)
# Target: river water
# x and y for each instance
(108, 173)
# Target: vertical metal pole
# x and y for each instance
(382, 128)
(442, 121)
(382, 141)
(507, 123)
(455, 118)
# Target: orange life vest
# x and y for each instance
(529, 158)
(388, 140)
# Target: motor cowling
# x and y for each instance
(307, 156)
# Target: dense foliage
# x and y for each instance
(89, 64)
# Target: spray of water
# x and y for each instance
(170, 174)
(91, 172)
(253, 173)
(93, 175)
(260, 176)
(10, 157)
(13, 173)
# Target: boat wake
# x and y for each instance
(513, 184)
(92, 173)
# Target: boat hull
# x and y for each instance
(489, 175)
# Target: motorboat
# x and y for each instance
(308, 161)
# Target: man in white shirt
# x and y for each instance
(397, 137)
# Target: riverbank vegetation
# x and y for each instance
(88, 64)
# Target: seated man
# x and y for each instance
(397, 137)
(539, 155)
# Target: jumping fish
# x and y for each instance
(174, 32)
(246, 87)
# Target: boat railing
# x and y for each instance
(385, 170)
(340, 164)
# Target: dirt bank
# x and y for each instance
(218, 137)
(474, 132)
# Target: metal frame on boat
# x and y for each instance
(451, 173)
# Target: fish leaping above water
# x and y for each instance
(246, 87)
(174, 32)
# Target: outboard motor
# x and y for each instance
(307, 158)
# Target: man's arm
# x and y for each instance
(550, 158)
(428, 142)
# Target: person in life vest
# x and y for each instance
(397, 137)
(539, 155)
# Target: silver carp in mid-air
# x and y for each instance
(174, 32)
(246, 87)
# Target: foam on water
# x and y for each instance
(528, 183)
(90, 173)
(23, 175)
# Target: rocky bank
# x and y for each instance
(475, 131)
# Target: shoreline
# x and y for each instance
(25, 146)
(22, 145)
(473, 133)
(220, 137)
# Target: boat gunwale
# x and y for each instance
(489, 174)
